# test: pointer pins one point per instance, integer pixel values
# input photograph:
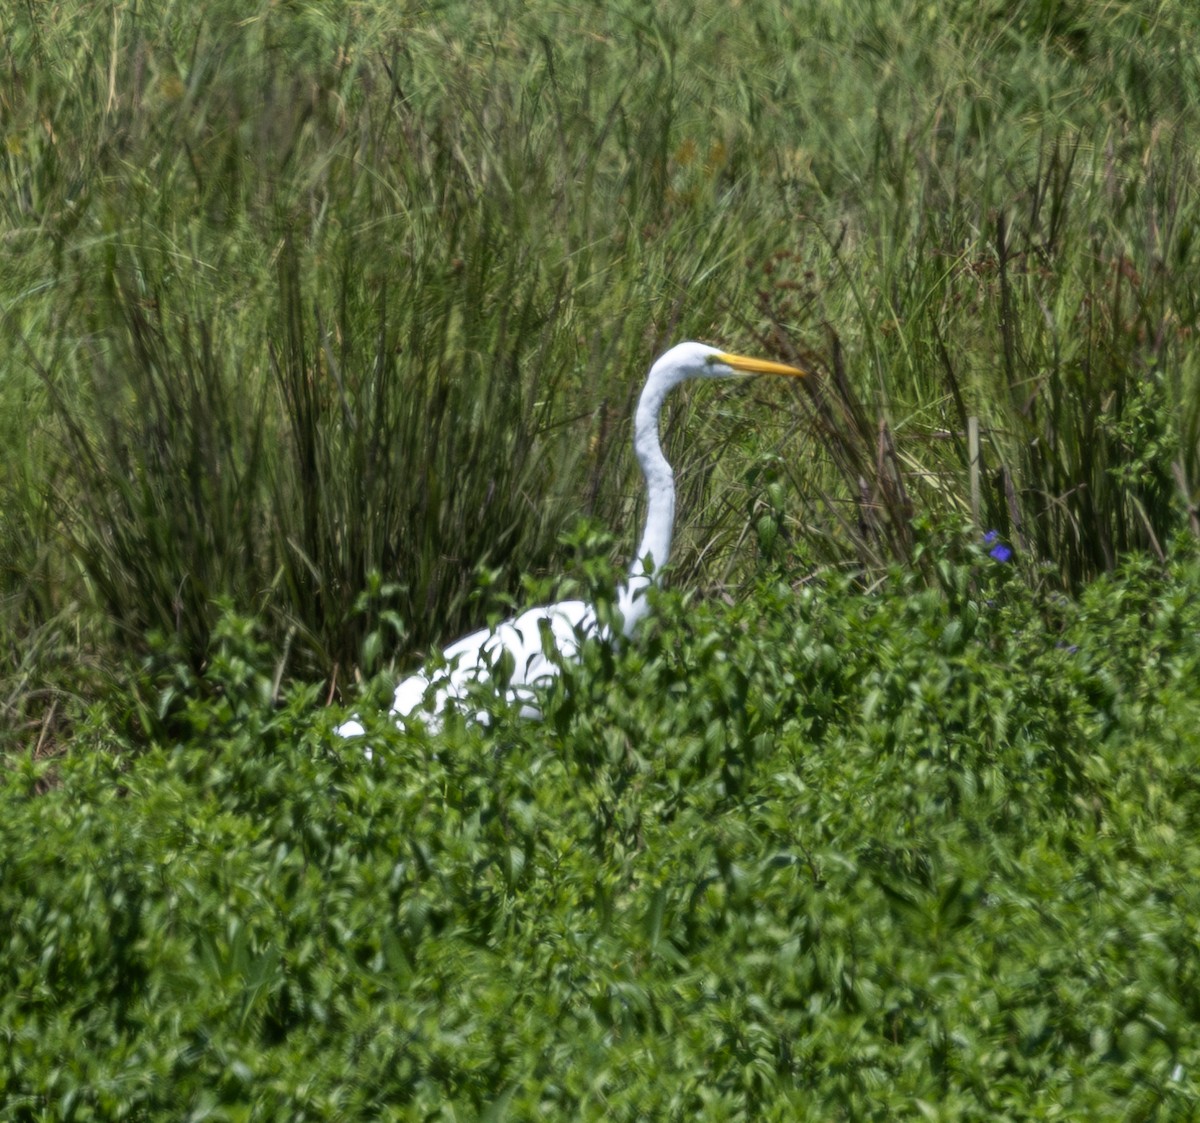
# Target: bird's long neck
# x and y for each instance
(655, 546)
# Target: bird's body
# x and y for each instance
(525, 642)
(534, 644)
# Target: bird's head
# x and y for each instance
(698, 360)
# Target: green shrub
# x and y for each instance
(835, 856)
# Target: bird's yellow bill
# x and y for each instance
(758, 366)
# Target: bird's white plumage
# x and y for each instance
(534, 644)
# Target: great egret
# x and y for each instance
(531, 638)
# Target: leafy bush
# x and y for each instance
(833, 856)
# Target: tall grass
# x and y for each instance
(302, 303)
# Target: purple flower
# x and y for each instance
(998, 551)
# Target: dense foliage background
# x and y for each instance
(320, 329)
(815, 856)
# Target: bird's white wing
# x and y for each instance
(536, 642)
(527, 642)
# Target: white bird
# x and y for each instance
(540, 639)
